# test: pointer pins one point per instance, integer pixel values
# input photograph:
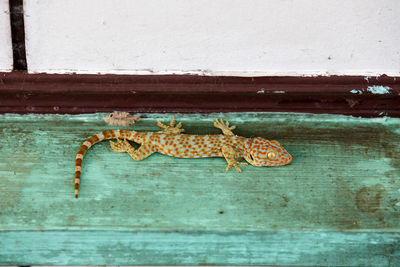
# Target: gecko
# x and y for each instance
(171, 141)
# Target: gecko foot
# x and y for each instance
(121, 146)
(171, 128)
(235, 164)
(224, 126)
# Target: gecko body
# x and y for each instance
(170, 141)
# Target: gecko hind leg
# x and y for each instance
(231, 156)
(142, 152)
(120, 146)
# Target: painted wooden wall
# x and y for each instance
(225, 37)
(336, 204)
(5, 38)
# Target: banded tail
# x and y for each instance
(94, 139)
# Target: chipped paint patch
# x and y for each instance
(355, 91)
(367, 78)
(378, 89)
(373, 89)
(262, 91)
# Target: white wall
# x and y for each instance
(6, 58)
(214, 37)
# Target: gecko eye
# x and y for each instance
(271, 155)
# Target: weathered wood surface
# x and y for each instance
(365, 96)
(338, 203)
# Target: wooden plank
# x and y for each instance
(213, 37)
(136, 247)
(336, 204)
(55, 93)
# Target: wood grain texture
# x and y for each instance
(338, 203)
(71, 93)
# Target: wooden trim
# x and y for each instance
(18, 34)
(75, 93)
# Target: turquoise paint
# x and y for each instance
(336, 204)
(262, 91)
(378, 89)
(354, 91)
(135, 247)
(373, 89)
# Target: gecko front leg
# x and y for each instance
(231, 156)
(224, 127)
(142, 152)
(171, 129)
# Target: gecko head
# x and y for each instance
(263, 152)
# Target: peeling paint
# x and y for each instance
(378, 89)
(373, 89)
(262, 91)
(355, 91)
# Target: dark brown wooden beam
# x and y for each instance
(72, 93)
(18, 34)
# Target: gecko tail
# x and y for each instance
(94, 139)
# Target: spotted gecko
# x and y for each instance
(170, 141)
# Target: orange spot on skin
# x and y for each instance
(90, 141)
(107, 134)
(94, 139)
